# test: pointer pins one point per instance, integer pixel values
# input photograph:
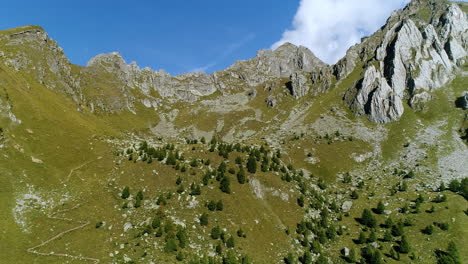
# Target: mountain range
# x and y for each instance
(277, 159)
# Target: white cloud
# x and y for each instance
(330, 27)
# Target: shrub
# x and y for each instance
(215, 232)
(300, 201)
(204, 219)
(455, 185)
(156, 223)
(171, 245)
(126, 192)
(354, 195)
(397, 229)
(380, 208)
(211, 206)
(219, 206)
(182, 237)
(180, 256)
(428, 230)
(440, 199)
(442, 226)
(241, 233)
(241, 176)
(230, 242)
(225, 185)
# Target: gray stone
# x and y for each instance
(346, 206)
(299, 85)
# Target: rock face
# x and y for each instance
(413, 59)
(299, 84)
(186, 87)
(377, 98)
(280, 63)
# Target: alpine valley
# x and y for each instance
(277, 159)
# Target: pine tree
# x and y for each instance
(211, 206)
(222, 167)
(215, 232)
(230, 258)
(404, 245)
(380, 208)
(204, 219)
(387, 236)
(156, 223)
(171, 245)
(394, 254)
(290, 259)
(368, 219)
(388, 222)
(322, 260)
(180, 256)
(307, 258)
(230, 242)
(171, 160)
(219, 205)
(397, 229)
(126, 192)
(241, 233)
(354, 195)
(442, 187)
(372, 237)
(352, 256)
(428, 230)
(300, 201)
(452, 250)
(225, 185)
(376, 257)
(241, 175)
(182, 237)
(252, 164)
(361, 239)
(219, 249)
(455, 185)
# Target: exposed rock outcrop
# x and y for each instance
(299, 84)
(413, 59)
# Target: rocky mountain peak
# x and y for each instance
(414, 56)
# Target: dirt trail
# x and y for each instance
(81, 224)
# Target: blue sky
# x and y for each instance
(176, 35)
(204, 35)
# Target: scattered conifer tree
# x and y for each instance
(125, 192)
(219, 205)
(241, 175)
(225, 185)
(252, 164)
(404, 245)
(380, 208)
(204, 219)
(230, 243)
